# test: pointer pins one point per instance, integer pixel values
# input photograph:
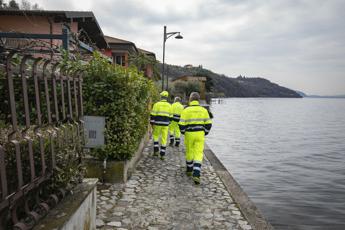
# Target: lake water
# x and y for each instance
(288, 155)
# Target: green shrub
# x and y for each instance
(183, 89)
(122, 96)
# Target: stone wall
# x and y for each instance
(114, 171)
(247, 207)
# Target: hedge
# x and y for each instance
(122, 95)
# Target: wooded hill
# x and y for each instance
(223, 86)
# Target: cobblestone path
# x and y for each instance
(159, 195)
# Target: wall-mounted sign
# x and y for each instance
(94, 131)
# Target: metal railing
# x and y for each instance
(41, 136)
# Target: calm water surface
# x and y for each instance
(288, 155)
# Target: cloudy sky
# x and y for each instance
(299, 44)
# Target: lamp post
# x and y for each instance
(165, 37)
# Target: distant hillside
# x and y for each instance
(320, 96)
(330, 96)
(233, 87)
(301, 93)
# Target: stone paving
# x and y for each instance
(159, 195)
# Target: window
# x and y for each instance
(120, 60)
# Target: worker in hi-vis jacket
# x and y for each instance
(194, 123)
(160, 120)
(174, 129)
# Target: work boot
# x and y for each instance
(189, 168)
(162, 153)
(196, 180)
(155, 148)
(177, 142)
(171, 141)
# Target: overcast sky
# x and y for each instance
(299, 44)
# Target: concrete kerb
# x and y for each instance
(115, 171)
(131, 164)
(248, 208)
(75, 211)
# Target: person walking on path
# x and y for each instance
(194, 123)
(160, 120)
(174, 129)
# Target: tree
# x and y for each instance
(184, 89)
(36, 7)
(13, 5)
(178, 89)
(26, 5)
(209, 82)
(3, 5)
(141, 61)
(192, 87)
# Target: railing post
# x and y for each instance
(11, 92)
(4, 190)
(65, 38)
(38, 113)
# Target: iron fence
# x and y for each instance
(41, 141)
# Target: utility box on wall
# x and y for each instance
(94, 131)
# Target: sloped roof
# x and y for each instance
(147, 52)
(117, 43)
(116, 40)
(67, 14)
(86, 21)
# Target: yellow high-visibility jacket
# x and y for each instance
(177, 109)
(195, 118)
(161, 113)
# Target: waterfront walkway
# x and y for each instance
(159, 195)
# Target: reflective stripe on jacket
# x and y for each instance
(177, 109)
(161, 113)
(195, 118)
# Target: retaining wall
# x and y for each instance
(248, 208)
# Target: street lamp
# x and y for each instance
(165, 37)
